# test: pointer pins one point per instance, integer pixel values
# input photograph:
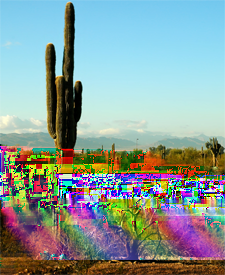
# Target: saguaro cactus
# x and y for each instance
(202, 153)
(163, 152)
(113, 151)
(183, 154)
(203, 156)
(215, 148)
(63, 109)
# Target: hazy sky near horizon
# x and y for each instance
(145, 65)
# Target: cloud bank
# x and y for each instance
(14, 124)
(17, 125)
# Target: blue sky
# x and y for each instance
(153, 66)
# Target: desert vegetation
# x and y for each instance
(186, 157)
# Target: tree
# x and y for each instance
(124, 161)
(152, 150)
(159, 148)
(215, 149)
(135, 226)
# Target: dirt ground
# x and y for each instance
(25, 265)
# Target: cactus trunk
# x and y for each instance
(63, 110)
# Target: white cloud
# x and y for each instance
(84, 125)
(132, 123)
(79, 132)
(191, 133)
(5, 121)
(17, 125)
(109, 131)
(34, 130)
(18, 131)
(140, 131)
(36, 121)
(30, 130)
(9, 44)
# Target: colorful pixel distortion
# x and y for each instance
(36, 199)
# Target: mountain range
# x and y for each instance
(145, 140)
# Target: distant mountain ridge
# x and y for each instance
(43, 140)
(195, 142)
(181, 143)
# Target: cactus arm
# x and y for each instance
(68, 55)
(213, 143)
(60, 113)
(63, 60)
(77, 107)
(208, 145)
(50, 60)
(68, 67)
(78, 100)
